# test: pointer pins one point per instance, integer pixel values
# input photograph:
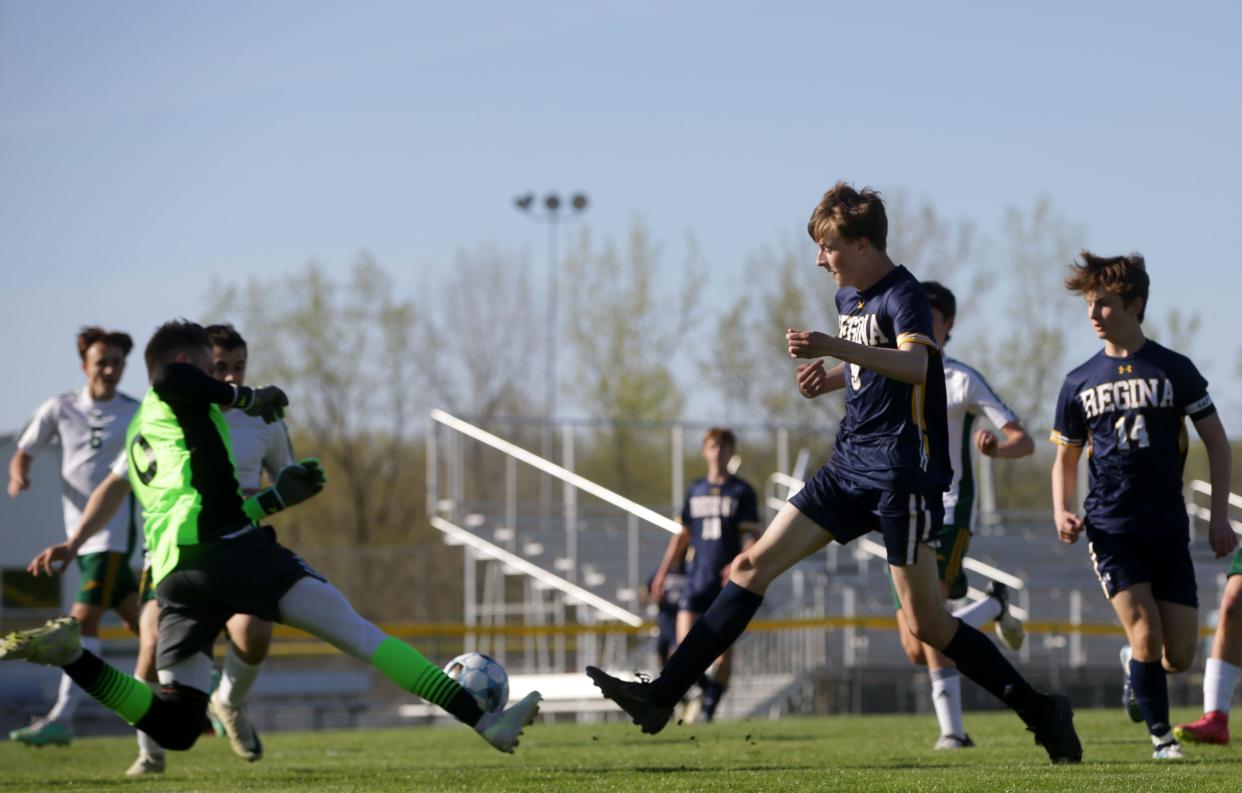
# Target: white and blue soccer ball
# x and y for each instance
(485, 679)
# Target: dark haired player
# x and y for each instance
(211, 559)
(719, 518)
(90, 424)
(1130, 401)
(888, 471)
(258, 446)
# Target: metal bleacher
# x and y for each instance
(551, 590)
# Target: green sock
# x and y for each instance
(125, 694)
(407, 667)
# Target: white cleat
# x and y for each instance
(502, 728)
(147, 764)
(1009, 628)
(238, 729)
(56, 643)
(1168, 751)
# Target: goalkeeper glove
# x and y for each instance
(267, 401)
(294, 484)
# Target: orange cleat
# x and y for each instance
(1212, 728)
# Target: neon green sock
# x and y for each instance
(125, 694)
(409, 669)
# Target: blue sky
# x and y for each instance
(146, 147)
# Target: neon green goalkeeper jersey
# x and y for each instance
(181, 465)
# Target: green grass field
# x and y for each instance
(872, 753)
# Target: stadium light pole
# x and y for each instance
(550, 211)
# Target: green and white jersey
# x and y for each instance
(91, 435)
(968, 397)
(181, 465)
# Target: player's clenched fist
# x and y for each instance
(1069, 526)
(812, 379)
(986, 443)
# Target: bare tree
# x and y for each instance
(1177, 330)
(481, 323)
(936, 248)
(627, 329)
(1023, 349)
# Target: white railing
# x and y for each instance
(575, 593)
(872, 548)
(1198, 486)
(559, 472)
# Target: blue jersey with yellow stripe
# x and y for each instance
(894, 435)
(1131, 411)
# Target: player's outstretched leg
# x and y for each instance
(789, 538)
(1050, 717)
(171, 716)
(321, 610)
(650, 705)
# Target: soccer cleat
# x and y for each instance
(1171, 750)
(1213, 727)
(1008, 627)
(1054, 730)
(1128, 699)
(694, 708)
(946, 742)
(44, 732)
(502, 728)
(634, 699)
(147, 764)
(238, 729)
(56, 643)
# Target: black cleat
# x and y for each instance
(634, 699)
(1054, 730)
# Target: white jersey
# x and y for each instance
(92, 435)
(968, 396)
(257, 447)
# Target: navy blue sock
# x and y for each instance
(980, 660)
(1151, 689)
(712, 634)
(712, 694)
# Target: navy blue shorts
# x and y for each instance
(699, 599)
(847, 511)
(1123, 560)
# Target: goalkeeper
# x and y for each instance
(211, 559)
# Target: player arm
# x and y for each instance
(814, 380)
(907, 363)
(19, 472)
(674, 553)
(183, 382)
(1064, 485)
(38, 434)
(105, 501)
(1220, 470)
(1017, 442)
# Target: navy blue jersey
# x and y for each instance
(1131, 411)
(895, 435)
(714, 514)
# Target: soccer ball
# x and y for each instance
(485, 679)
